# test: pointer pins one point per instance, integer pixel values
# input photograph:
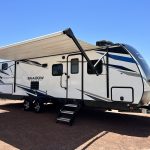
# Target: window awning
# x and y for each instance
(53, 44)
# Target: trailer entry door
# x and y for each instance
(74, 88)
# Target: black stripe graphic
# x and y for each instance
(121, 67)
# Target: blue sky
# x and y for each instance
(125, 21)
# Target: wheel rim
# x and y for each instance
(37, 107)
(26, 105)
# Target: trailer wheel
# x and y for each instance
(38, 107)
(27, 105)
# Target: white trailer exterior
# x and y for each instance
(60, 68)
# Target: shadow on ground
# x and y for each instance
(28, 130)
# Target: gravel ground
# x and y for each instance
(92, 130)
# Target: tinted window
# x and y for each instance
(35, 85)
(99, 67)
(74, 66)
(4, 66)
(57, 69)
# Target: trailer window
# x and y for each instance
(57, 69)
(4, 66)
(74, 66)
(99, 67)
(35, 85)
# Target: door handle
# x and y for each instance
(61, 82)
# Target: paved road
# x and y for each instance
(92, 129)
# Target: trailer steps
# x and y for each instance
(68, 112)
(64, 119)
(71, 105)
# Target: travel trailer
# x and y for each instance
(61, 69)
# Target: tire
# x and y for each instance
(38, 107)
(27, 105)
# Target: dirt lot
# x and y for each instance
(92, 130)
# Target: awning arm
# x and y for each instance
(70, 34)
(100, 60)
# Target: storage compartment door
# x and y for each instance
(124, 94)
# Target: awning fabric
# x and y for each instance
(53, 44)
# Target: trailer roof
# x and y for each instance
(52, 44)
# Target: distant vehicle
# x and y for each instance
(60, 69)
